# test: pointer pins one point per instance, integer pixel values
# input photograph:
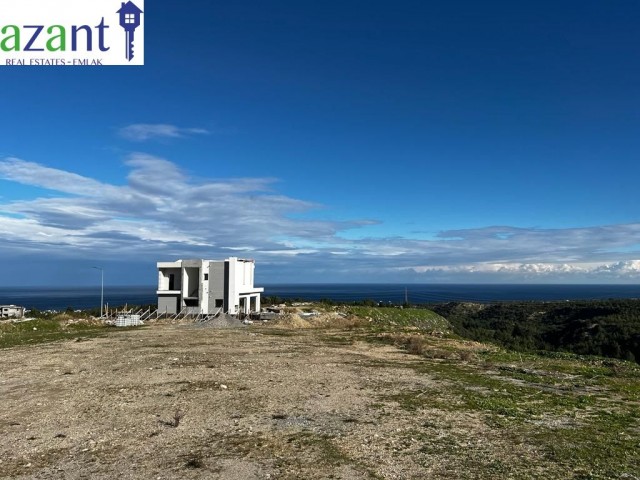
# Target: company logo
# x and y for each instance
(129, 20)
(72, 32)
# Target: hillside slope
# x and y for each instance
(608, 328)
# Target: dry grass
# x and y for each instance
(433, 347)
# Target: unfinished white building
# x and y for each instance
(208, 287)
(11, 311)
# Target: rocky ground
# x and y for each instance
(180, 401)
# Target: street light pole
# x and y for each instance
(101, 288)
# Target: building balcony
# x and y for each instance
(248, 291)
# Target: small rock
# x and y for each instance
(223, 386)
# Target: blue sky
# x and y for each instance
(405, 141)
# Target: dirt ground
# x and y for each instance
(176, 401)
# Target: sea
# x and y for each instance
(46, 298)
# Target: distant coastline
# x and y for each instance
(44, 298)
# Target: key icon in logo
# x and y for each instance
(129, 20)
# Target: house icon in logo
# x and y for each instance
(129, 20)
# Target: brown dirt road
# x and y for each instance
(256, 404)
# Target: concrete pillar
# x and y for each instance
(258, 303)
(232, 293)
(185, 282)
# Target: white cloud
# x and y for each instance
(30, 173)
(140, 132)
(159, 205)
(536, 271)
(162, 212)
